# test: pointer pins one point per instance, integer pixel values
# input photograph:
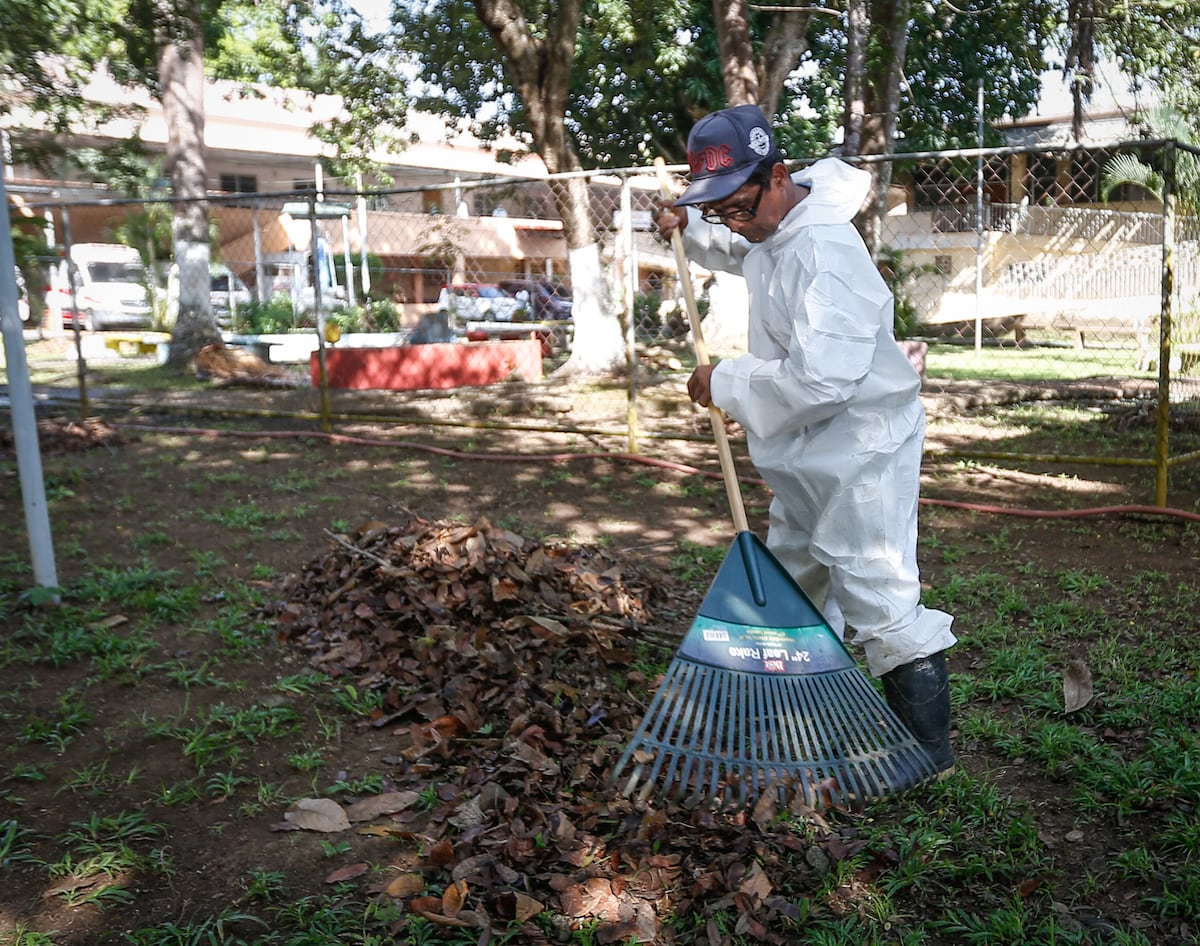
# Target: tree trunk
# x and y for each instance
(738, 74)
(540, 68)
(726, 323)
(180, 48)
(784, 44)
(857, 28)
(889, 30)
(1080, 66)
(748, 83)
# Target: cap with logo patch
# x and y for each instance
(724, 148)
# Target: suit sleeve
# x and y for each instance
(825, 307)
(713, 247)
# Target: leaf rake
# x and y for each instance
(762, 695)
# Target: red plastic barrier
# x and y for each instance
(413, 367)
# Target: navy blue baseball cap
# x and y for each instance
(724, 148)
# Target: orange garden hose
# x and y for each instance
(1129, 510)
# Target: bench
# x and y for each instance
(125, 344)
(298, 347)
(1137, 319)
(1185, 356)
(553, 335)
(133, 345)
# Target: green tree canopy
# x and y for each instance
(48, 51)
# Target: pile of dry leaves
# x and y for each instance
(506, 665)
(66, 435)
(224, 365)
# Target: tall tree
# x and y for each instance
(1155, 42)
(325, 47)
(737, 58)
(48, 52)
(159, 44)
(178, 35)
(886, 57)
(952, 50)
(749, 81)
(535, 65)
(540, 58)
(858, 25)
(779, 36)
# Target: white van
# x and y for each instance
(110, 288)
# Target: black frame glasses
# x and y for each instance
(741, 215)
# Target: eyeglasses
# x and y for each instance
(741, 215)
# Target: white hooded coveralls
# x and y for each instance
(832, 414)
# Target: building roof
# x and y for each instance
(1109, 115)
(255, 123)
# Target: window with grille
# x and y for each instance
(239, 183)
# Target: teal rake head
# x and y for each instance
(762, 695)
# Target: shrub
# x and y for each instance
(266, 318)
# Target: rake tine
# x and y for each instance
(796, 745)
(702, 710)
(735, 717)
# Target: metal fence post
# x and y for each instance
(70, 269)
(1162, 451)
(629, 291)
(24, 419)
(315, 274)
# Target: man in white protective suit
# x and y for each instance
(830, 404)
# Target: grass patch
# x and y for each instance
(962, 363)
(154, 725)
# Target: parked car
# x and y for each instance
(479, 302)
(110, 288)
(550, 302)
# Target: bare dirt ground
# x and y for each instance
(254, 499)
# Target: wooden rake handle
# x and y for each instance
(728, 472)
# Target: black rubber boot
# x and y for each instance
(919, 693)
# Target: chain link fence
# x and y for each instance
(1043, 273)
(1056, 274)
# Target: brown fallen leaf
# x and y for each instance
(756, 883)
(453, 897)
(766, 809)
(378, 805)
(442, 920)
(511, 905)
(406, 885)
(115, 620)
(385, 831)
(425, 904)
(317, 814)
(592, 898)
(441, 854)
(538, 761)
(349, 872)
(1027, 887)
(1077, 686)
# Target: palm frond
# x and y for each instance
(1128, 169)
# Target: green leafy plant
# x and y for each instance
(694, 561)
(350, 699)
(266, 885)
(900, 276)
(272, 317)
